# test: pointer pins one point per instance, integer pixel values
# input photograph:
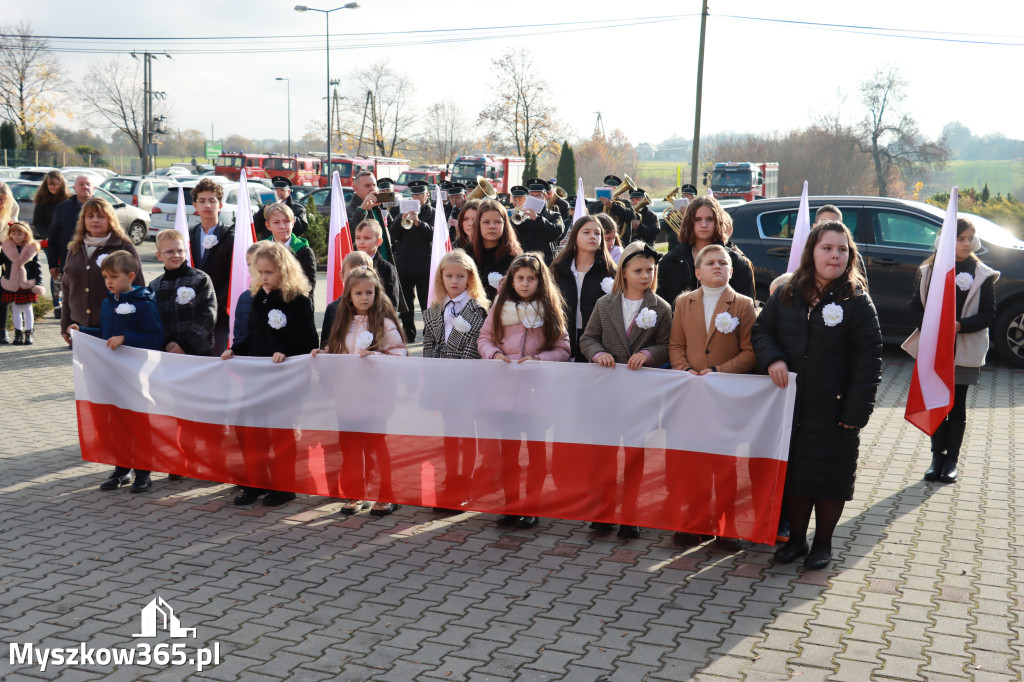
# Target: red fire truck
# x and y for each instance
(350, 166)
(744, 180)
(300, 170)
(230, 165)
(434, 175)
(504, 172)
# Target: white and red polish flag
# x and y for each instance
(931, 389)
(339, 241)
(581, 202)
(441, 243)
(699, 454)
(245, 236)
(800, 233)
(181, 225)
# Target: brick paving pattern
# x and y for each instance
(927, 585)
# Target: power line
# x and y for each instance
(885, 32)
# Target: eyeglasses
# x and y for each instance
(175, 252)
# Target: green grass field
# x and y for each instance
(659, 177)
(1006, 176)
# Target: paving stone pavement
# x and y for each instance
(927, 584)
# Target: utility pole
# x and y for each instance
(150, 124)
(700, 85)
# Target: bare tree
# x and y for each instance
(112, 93)
(447, 133)
(521, 114)
(890, 136)
(390, 118)
(29, 79)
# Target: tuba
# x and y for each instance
(483, 189)
(559, 194)
(672, 195)
(674, 219)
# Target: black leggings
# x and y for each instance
(958, 415)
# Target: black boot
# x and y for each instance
(28, 337)
(121, 476)
(4, 339)
(19, 338)
(938, 452)
(955, 440)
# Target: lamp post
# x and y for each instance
(327, 15)
(288, 82)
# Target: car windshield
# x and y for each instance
(467, 172)
(732, 180)
(987, 230)
(344, 169)
(230, 161)
(171, 197)
(406, 178)
(119, 186)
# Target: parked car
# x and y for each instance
(71, 175)
(322, 198)
(170, 171)
(103, 172)
(134, 221)
(894, 236)
(137, 190)
(164, 211)
(7, 172)
(34, 172)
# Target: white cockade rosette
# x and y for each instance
(210, 241)
(276, 319)
(964, 281)
(646, 318)
(494, 279)
(364, 339)
(726, 323)
(531, 314)
(832, 314)
(185, 295)
(606, 285)
(460, 325)
(100, 258)
(125, 309)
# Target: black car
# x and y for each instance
(894, 236)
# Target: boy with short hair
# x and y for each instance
(128, 316)
(212, 245)
(369, 237)
(185, 299)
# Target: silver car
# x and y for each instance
(134, 221)
(136, 190)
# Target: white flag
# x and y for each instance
(181, 224)
(581, 204)
(339, 241)
(439, 245)
(800, 232)
(245, 236)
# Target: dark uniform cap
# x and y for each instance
(519, 191)
(612, 180)
(538, 185)
(456, 188)
(688, 189)
(385, 183)
(418, 186)
(281, 182)
(571, 200)
(637, 193)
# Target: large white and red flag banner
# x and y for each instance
(339, 241)
(245, 236)
(699, 454)
(931, 388)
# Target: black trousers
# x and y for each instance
(422, 287)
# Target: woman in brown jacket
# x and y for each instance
(97, 235)
(710, 333)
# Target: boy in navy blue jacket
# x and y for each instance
(129, 317)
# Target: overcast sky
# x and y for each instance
(758, 75)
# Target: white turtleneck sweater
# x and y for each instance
(711, 296)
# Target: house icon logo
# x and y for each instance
(158, 615)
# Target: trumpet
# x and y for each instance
(483, 189)
(517, 217)
(559, 193)
(407, 221)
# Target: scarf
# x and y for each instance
(530, 315)
(19, 276)
(93, 243)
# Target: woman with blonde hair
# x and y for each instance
(98, 234)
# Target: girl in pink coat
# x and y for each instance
(525, 323)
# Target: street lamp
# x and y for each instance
(327, 15)
(288, 82)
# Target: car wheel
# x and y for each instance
(1008, 335)
(137, 232)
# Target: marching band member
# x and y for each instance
(622, 214)
(537, 231)
(645, 225)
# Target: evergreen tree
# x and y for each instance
(8, 136)
(566, 174)
(985, 194)
(531, 166)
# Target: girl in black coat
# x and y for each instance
(584, 272)
(495, 245)
(823, 326)
(280, 325)
(704, 223)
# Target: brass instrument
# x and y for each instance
(643, 202)
(672, 195)
(483, 189)
(518, 216)
(407, 221)
(559, 193)
(674, 219)
(626, 185)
